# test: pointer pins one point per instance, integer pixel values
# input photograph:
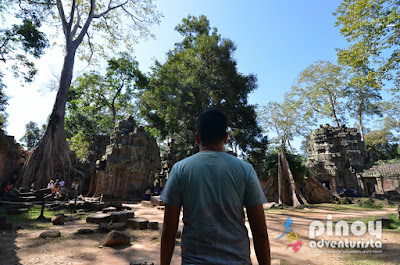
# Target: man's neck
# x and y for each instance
(215, 148)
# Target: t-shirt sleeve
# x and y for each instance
(172, 193)
(254, 194)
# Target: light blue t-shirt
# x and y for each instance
(213, 187)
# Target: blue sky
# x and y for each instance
(275, 40)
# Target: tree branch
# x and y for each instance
(71, 19)
(78, 22)
(109, 9)
(89, 19)
(62, 16)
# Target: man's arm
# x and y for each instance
(256, 217)
(170, 226)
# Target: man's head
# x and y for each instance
(211, 127)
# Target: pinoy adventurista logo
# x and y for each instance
(293, 238)
(342, 229)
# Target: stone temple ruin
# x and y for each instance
(131, 159)
(339, 160)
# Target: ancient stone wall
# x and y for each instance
(131, 159)
(336, 155)
(12, 158)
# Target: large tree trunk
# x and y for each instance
(50, 159)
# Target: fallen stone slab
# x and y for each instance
(152, 225)
(161, 208)
(115, 238)
(155, 200)
(85, 231)
(121, 217)
(58, 219)
(50, 233)
(118, 226)
(269, 205)
(109, 209)
(97, 206)
(137, 223)
(98, 218)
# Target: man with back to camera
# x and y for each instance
(213, 186)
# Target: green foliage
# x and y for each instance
(372, 28)
(296, 165)
(200, 73)
(383, 145)
(32, 134)
(320, 90)
(97, 101)
(287, 120)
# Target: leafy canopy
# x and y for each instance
(200, 73)
(97, 101)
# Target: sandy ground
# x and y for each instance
(25, 247)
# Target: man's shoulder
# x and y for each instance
(197, 159)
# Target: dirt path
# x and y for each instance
(24, 246)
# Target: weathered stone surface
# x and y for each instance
(142, 262)
(97, 206)
(161, 208)
(104, 228)
(121, 217)
(109, 209)
(137, 223)
(152, 225)
(130, 161)
(58, 219)
(155, 200)
(50, 233)
(12, 158)
(85, 231)
(98, 218)
(116, 238)
(118, 226)
(336, 155)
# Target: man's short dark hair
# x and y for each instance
(211, 126)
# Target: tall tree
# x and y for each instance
(18, 40)
(363, 97)
(372, 27)
(32, 134)
(383, 145)
(200, 73)
(80, 21)
(320, 88)
(286, 120)
(97, 101)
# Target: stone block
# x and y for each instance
(98, 218)
(50, 233)
(161, 208)
(137, 223)
(109, 209)
(118, 226)
(85, 231)
(58, 219)
(152, 225)
(116, 238)
(121, 217)
(104, 228)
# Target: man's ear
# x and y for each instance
(197, 138)
(226, 138)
